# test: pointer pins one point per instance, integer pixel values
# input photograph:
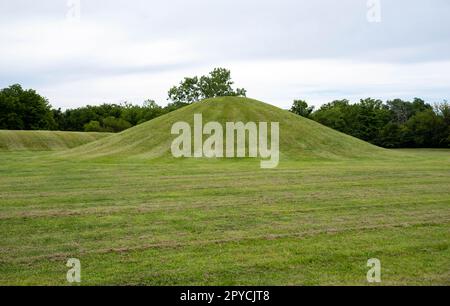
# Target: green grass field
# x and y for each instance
(45, 140)
(135, 216)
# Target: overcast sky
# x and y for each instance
(279, 50)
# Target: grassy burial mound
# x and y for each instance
(45, 140)
(299, 137)
(173, 222)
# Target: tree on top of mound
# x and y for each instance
(217, 83)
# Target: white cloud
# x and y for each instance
(276, 82)
(279, 50)
(72, 48)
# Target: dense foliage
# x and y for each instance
(107, 117)
(393, 124)
(217, 84)
(301, 108)
(24, 110)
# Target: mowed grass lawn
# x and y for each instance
(166, 222)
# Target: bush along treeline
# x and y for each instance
(107, 117)
(394, 124)
(26, 110)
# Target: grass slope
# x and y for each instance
(299, 137)
(45, 140)
(227, 223)
(333, 203)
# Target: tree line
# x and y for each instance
(393, 124)
(26, 110)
